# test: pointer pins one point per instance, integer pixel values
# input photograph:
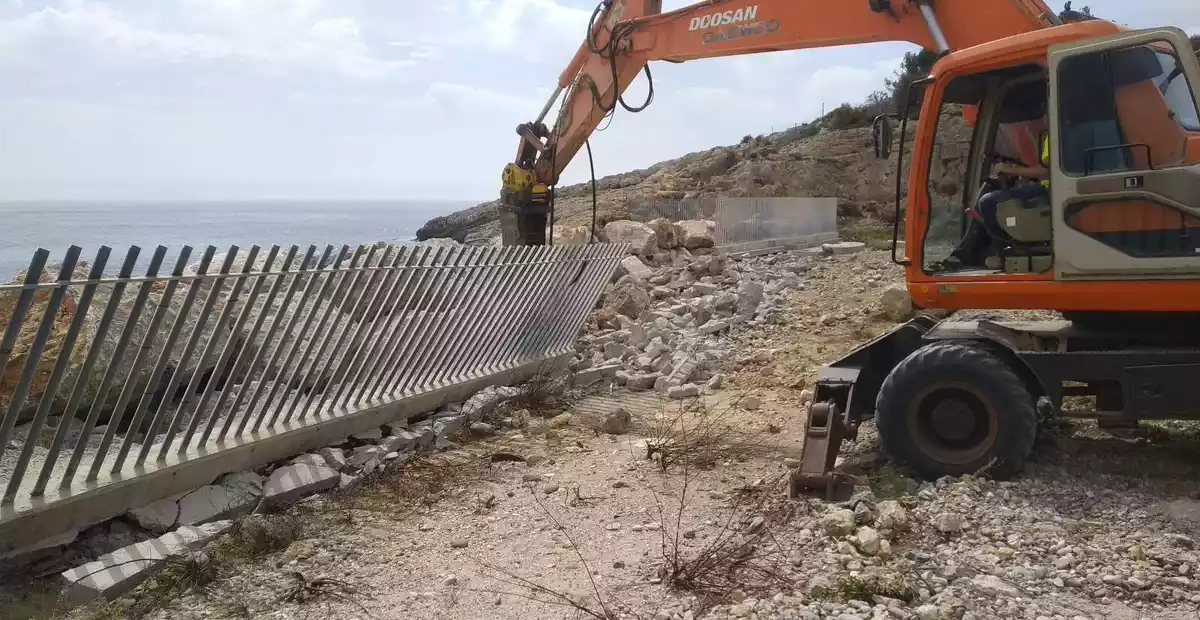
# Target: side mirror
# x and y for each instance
(881, 135)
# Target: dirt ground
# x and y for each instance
(685, 515)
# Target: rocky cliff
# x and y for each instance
(809, 160)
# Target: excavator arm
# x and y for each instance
(624, 36)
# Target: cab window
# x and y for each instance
(1125, 109)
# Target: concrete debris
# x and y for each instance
(897, 303)
(641, 238)
(233, 495)
(842, 248)
(634, 267)
(295, 481)
(119, 572)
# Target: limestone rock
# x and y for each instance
(641, 238)
(897, 303)
(698, 234)
(627, 297)
(838, 522)
(570, 235)
(617, 421)
(665, 231)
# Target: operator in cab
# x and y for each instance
(979, 246)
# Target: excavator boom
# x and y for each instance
(623, 36)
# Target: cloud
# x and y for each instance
(271, 36)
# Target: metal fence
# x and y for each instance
(746, 224)
(119, 391)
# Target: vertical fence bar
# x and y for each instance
(598, 263)
(407, 320)
(334, 273)
(539, 329)
(164, 351)
(269, 340)
(277, 284)
(32, 360)
(424, 366)
(219, 378)
(420, 331)
(214, 292)
(330, 371)
(114, 302)
(33, 276)
(48, 397)
(512, 268)
(466, 323)
(534, 328)
(147, 343)
(439, 324)
(349, 368)
(200, 372)
(314, 360)
(388, 326)
(532, 282)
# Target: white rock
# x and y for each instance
(641, 238)
(697, 234)
(897, 303)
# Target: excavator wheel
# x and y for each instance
(953, 408)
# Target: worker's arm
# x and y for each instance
(627, 34)
(1039, 173)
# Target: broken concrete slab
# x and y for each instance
(633, 266)
(295, 481)
(233, 495)
(310, 459)
(592, 376)
(841, 248)
(335, 458)
(374, 434)
(119, 572)
(447, 426)
(681, 392)
(483, 403)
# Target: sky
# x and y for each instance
(366, 99)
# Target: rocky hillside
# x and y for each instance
(809, 160)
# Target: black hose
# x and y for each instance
(592, 169)
(609, 53)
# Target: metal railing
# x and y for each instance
(120, 390)
(749, 222)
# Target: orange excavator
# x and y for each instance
(1080, 193)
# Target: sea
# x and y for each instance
(55, 226)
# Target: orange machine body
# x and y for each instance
(1028, 291)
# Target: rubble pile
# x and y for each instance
(976, 549)
(662, 322)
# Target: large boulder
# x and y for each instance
(665, 230)
(897, 303)
(570, 235)
(641, 238)
(697, 234)
(627, 297)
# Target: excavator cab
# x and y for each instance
(1120, 114)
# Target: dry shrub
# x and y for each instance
(697, 437)
(423, 482)
(256, 535)
(745, 553)
(548, 389)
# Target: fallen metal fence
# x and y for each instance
(746, 224)
(117, 391)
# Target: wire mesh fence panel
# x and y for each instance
(646, 209)
(748, 220)
(117, 365)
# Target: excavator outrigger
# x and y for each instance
(1113, 243)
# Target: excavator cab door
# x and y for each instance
(1125, 156)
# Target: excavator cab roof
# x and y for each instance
(1013, 50)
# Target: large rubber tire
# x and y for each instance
(953, 408)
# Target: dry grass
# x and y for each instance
(696, 436)
(257, 535)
